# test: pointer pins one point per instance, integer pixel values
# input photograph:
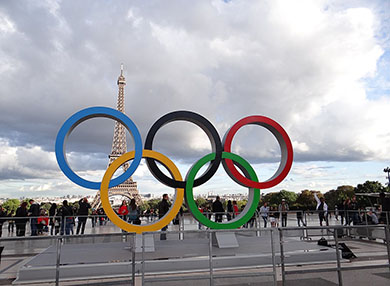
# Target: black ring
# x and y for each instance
(206, 126)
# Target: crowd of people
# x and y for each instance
(57, 220)
(349, 212)
(62, 219)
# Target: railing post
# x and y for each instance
(282, 256)
(143, 259)
(339, 274)
(211, 258)
(133, 259)
(59, 242)
(181, 227)
(273, 258)
(387, 234)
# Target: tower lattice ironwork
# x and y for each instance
(119, 147)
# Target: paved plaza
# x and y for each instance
(104, 257)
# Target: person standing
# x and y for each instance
(94, 217)
(66, 212)
(11, 222)
(347, 214)
(21, 219)
(354, 207)
(134, 213)
(84, 207)
(123, 210)
(229, 209)
(163, 208)
(264, 212)
(236, 211)
(34, 212)
(52, 214)
(218, 209)
(3, 217)
(283, 209)
(322, 209)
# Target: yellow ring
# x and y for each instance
(167, 218)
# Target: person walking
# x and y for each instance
(283, 209)
(21, 219)
(163, 208)
(34, 212)
(300, 218)
(264, 213)
(218, 209)
(322, 209)
(84, 207)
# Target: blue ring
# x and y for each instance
(86, 114)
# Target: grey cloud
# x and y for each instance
(223, 60)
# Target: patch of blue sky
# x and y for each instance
(379, 85)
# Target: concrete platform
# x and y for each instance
(112, 258)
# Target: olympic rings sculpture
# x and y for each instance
(183, 189)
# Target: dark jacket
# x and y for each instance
(21, 212)
(83, 207)
(34, 210)
(163, 208)
(3, 216)
(66, 211)
(218, 207)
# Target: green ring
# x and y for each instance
(253, 198)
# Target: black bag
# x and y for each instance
(346, 252)
(323, 242)
(137, 221)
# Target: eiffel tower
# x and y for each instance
(119, 147)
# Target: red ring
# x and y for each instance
(285, 146)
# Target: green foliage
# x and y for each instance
(201, 202)
(241, 204)
(336, 197)
(11, 205)
(275, 198)
(46, 206)
(144, 206)
(368, 187)
(306, 201)
(153, 203)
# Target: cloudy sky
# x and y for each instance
(319, 68)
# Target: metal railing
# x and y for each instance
(282, 233)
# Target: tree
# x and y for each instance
(336, 197)
(306, 201)
(11, 205)
(276, 198)
(153, 203)
(201, 202)
(368, 187)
